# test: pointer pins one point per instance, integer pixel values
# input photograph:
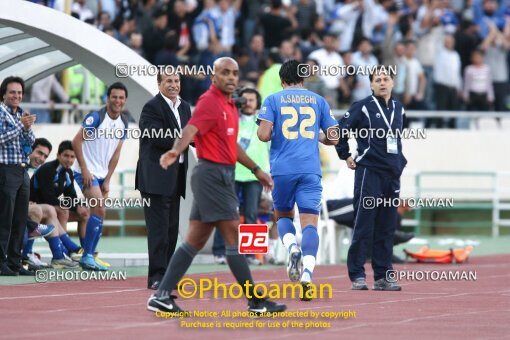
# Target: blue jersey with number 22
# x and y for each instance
(297, 115)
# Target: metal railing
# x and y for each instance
(491, 193)
(72, 111)
(488, 191)
(122, 188)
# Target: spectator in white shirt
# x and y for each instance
(415, 80)
(394, 54)
(478, 91)
(84, 13)
(346, 21)
(363, 57)
(329, 56)
(496, 46)
(447, 80)
(41, 93)
(429, 31)
(226, 13)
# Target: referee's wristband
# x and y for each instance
(254, 170)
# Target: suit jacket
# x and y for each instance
(151, 178)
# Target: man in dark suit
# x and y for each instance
(162, 119)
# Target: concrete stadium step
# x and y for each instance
(133, 259)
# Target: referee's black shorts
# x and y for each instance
(214, 194)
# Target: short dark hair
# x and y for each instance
(289, 72)
(162, 70)
(43, 142)
(171, 41)
(65, 145)
(274, 55)
(159, 12)
(362, 40)
(116, 86)
(276, 4)
(478, 50)
(7, 81)
(408, 42)
(379, 69)
(252, 91)
(331, 35)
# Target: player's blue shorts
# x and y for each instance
(303, 189)
(96, 182)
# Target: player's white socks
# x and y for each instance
(273, 243)
(308, 266)
(290, 243)
(287, 233)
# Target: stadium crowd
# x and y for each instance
(449, 55)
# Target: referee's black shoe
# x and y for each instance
(164, 304)
(263, 307)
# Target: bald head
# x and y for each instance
(223, 61)
(226, 75)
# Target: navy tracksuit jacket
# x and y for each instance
(377, 176)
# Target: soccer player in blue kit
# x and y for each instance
(293, 119)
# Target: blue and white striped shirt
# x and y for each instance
(15, 141)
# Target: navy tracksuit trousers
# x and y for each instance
(374, 226)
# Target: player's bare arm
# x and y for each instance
(244, 159)
(78, 150)
(169, 157)
(264, 131)
(332, 133)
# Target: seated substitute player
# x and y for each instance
(52, 180)
(215, 125)
(65, 159)
(40, 151)
(38, 213)
(292, 120)
(97, 150)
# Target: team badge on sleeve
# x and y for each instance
(89, 120)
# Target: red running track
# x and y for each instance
(423, 309)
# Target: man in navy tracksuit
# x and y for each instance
(378, 165)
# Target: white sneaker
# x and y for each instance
(65, 262)
(253, 261)
(294, 266)
(220, 259)
(33, 261)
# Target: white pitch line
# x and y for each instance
(70, 294)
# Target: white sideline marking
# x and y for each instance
(71, 294)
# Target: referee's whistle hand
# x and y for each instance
(351, 164)
(168, 158)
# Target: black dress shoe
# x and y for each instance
(155, 285)
(6, 271)
(24, 272)
(401, 237)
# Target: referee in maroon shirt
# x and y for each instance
(214, 127)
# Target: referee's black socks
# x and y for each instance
(178, 266)
(239, 267)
